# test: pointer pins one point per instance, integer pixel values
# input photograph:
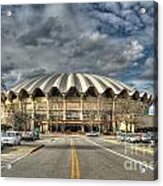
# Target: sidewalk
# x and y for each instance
(10, 155)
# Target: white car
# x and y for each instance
(11, 138)
(134, 138)
(122, 136)
(29, 136)
(145, 138)
(93, 134)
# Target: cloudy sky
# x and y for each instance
(112, 39)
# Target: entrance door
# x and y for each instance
(72, 128)
(56, 128)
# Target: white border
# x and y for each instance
(52, 182)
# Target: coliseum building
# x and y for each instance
(75, 102)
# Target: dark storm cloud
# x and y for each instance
(102, 38)
(8, 67)
(44, 30)
(35, 72)
(120, 19)
(149, 68)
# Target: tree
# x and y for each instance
(20, 120)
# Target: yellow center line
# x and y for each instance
(75, 171)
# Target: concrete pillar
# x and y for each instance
(33, 113)
(48, 111)
(21, 109)
(98, 107)
(82, 128)
(47, 107)
(129, 127)
(45, 127)
(20, 105)
(62, 128)
(133, 128)
(64, 107)
(113, 114)
(81, 107)
(41, 127)
(100, 128)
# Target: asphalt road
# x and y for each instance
(84, 158)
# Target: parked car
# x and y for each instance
(118, 136)
(93, 134)
(153, 143)
(30, 136)
(134, 138)
(145, 138)
(122, 136)
(154, 136)
(11, 138)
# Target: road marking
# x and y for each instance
(112, 141)
(121, 155)
(143, 149)
(135, 147)
(11, 162)
(13, 158)
(75, 171)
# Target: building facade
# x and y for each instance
(75, 102)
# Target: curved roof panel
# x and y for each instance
(81, 81)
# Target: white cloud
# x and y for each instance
(93, 36)
(134, 50)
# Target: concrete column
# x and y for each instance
(98, 107)
(64, 107)
(48, 112)
(62, 128)
(129, 127)
(102, 128)
(81, 107)
(99, 128)
(33, 113)
(45, 127)
(20, 104)
(48, 107)
(113, 114)
(82, 128)
(133, 128)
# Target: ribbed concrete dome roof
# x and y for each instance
(82, 82)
